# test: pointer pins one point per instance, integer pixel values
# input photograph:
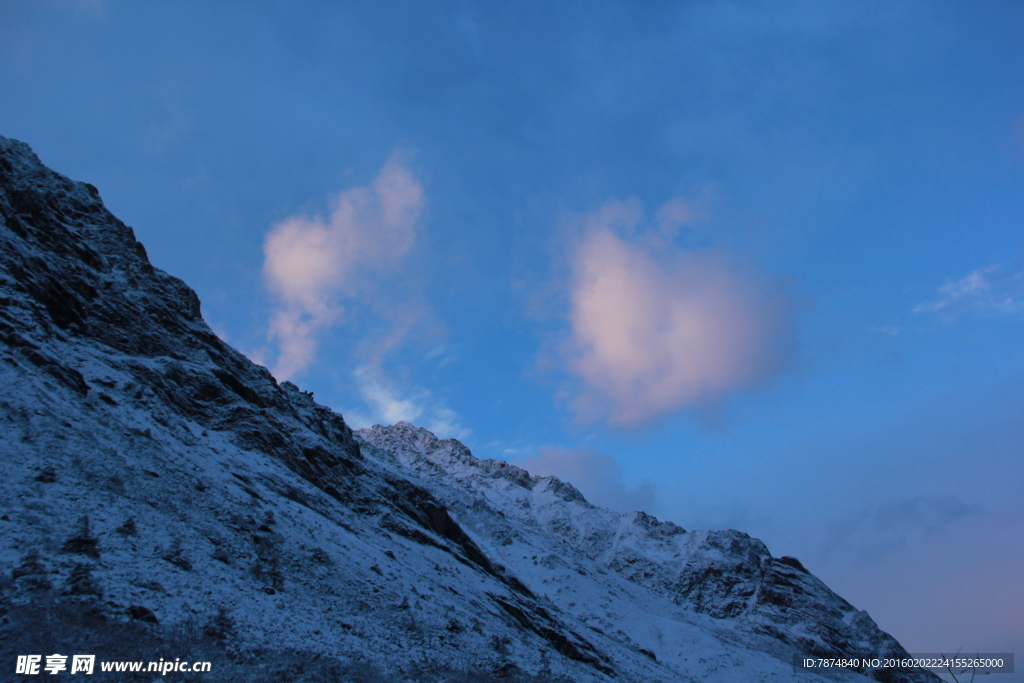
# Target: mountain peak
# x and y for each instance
(166, 493)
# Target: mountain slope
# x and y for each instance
(166, 497)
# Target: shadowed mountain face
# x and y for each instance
(166, 497)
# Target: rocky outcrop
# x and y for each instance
(163, 492)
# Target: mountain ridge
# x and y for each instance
(164, 485)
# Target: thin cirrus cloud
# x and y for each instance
(990, 289)
(314, 263)
(656, 328)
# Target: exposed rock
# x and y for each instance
(258, 525)
(143, 614)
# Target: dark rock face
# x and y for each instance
(150, 469)
(143, 614)
(59, 288)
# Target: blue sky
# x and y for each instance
(741, 264)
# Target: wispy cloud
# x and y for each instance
(656, 328)
(388, 404)
(990, 289)
(313, 263)
(443, 355)
(321, 269)
(598, 477)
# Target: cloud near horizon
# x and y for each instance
(656, 328)
(313, 263)
(598, 477)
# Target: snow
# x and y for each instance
(147, 463)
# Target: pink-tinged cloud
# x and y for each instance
(656, 328)
(598, 477)
(313, 263)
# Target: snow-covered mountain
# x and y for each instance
(166, 497)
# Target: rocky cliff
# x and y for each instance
(166, 497)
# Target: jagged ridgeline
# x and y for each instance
(165, 497)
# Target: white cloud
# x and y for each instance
(312, 264)
(388, 404)
(984, 289)
(443, 355)
(656, 328)
(598, 477)
(321, 268)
